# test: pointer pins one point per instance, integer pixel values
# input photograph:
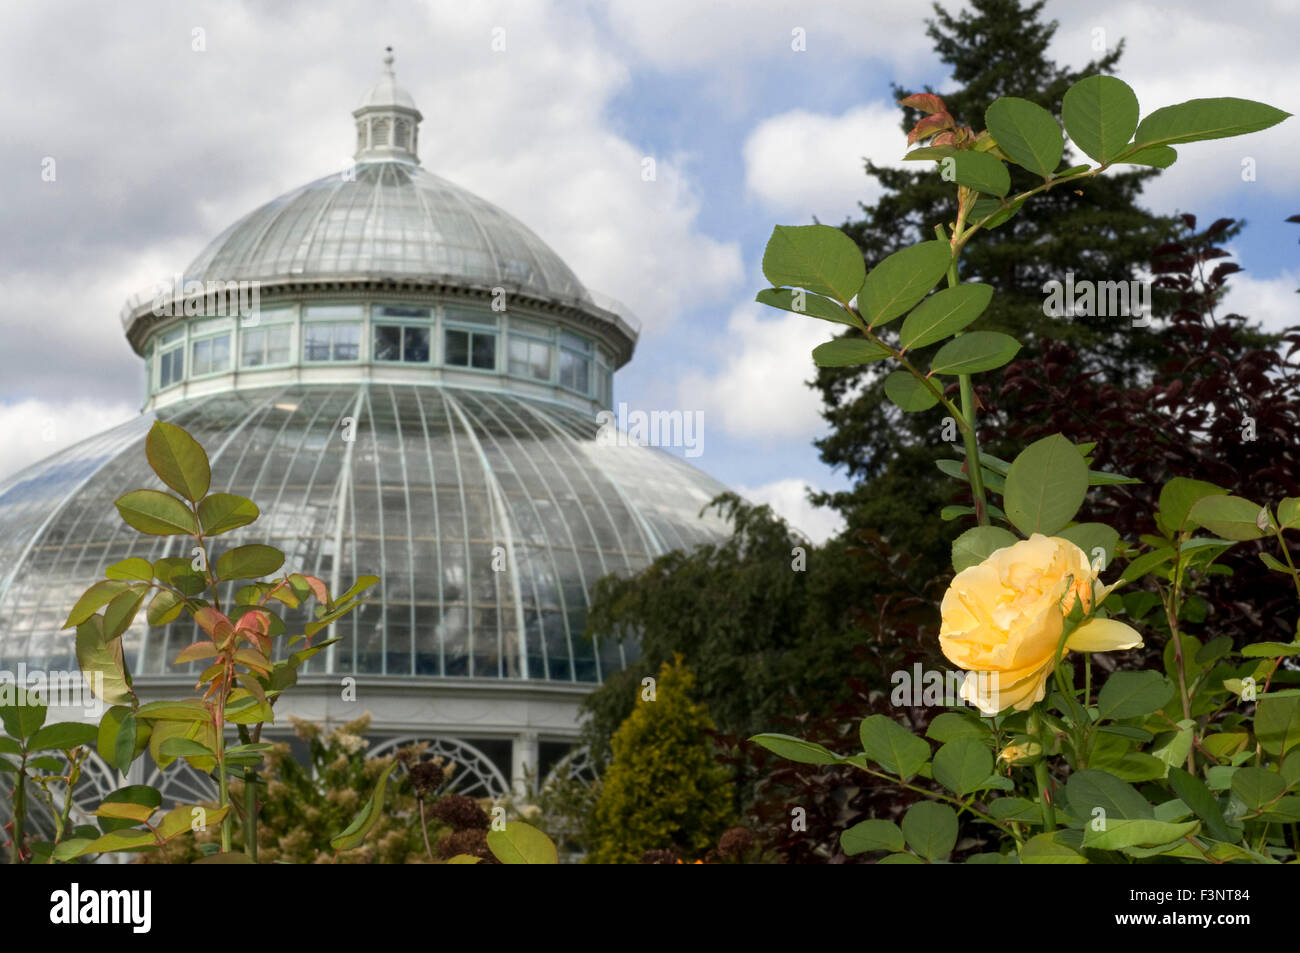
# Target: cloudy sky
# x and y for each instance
(167, 121)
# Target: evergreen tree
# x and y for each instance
(996, 48)
(663, 788)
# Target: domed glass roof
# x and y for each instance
(386, 219)
(488, 517)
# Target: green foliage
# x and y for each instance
(663, 788)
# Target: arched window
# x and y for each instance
(379, 132)
(403, 134)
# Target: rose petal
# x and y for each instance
(1103, 635)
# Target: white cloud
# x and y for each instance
(35, 429)
(759, 391)
(789, 499)
(802, 163)
(1272, 302)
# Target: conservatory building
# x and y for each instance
(406, 380)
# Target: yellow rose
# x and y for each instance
(1005, 616)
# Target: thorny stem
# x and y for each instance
(1171, 613)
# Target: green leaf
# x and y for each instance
(805, 302)
(929, 152)
(1089, 789)
(900, 859)
(796, 749)
(845, 352)
(101, 663)
(100, 594)
(1027, 133)
(1288, 513)
(952, 725)
(222, 512)
(1046, 485)
(133, 568)
(977, 170)
(871, 835)
(249, 562)
(978, 543)
(62, 736)
(131, 794)
(110, 726)
(366, 818)
(118, 840)
(987, 207)
(1101, 115)
(944, 313)
(185, 748)
(892, 746)
(157, 513)
(1147, 562)
(974, 352)
(185, 709)
(1271, 650)
(1016, 809)
(1228, 516)
(1102, 478)
(24, 719)
(1159, 157)
(962, 766)
(1136, 832)
(1128, 694)
(178, 460)
(164, 607)
(1193, 792)
(895, 285)
(1257, 787)
(1277, 724)
(1091, 537)
(122, 610)
(522, 843)
(124, 745)
(1200, 119)
(1048, 849)
(930, 829)
(908, 393)
(817, 257)
(1177, 497)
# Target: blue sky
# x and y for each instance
(160, 145)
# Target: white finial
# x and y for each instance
(387, 120)
(388, 58)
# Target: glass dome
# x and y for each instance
(488, 516)
(386, 219)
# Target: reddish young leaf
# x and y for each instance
(928, 103)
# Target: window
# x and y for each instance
(470, 349)
(263, 346)
(210, 355)
(331, 342)
(530, 358)
(171, 358)
(575, 363)
(397, 342)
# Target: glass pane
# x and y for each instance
(485, 351)
(277, 351)
(347, 342)
(202, 359)
(332, 311)
(518, 356)
(575, 342)
(472, 317)
(402, 311)
(221, 352)
(254, 347)
(539, 356)
(388, 342)
(456, 348)
(415, 345)
(316, 342)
